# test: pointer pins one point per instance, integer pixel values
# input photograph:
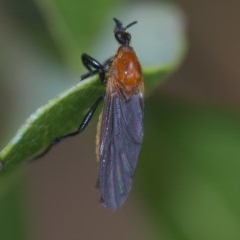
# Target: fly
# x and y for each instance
(120, 128)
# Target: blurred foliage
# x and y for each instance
(12, 222)
(189, 170)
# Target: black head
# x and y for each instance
(120, 33)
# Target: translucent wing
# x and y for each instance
(121, 137)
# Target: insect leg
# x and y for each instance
(88, 116)
(82, 126)
(93, 66)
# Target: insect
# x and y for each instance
(120, 127)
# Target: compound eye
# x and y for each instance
(119, 38)
(123, 38)
(127, 37)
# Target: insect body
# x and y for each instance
(121, 129)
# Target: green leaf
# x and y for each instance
(59, 117)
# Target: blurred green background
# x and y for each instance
(187, 181)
